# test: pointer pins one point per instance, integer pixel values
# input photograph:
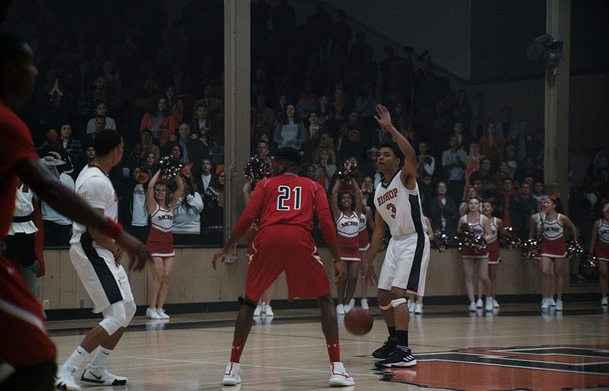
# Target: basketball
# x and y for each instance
(358, 321)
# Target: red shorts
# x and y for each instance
(556, 248)
(364, 240)
(494, 255)
(601, 251)
(25, 341)
(291, 249)
(251, 236)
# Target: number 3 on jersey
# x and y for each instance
(285, 201)
(391, 207)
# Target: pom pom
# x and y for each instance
(530, 248)
(170, 167)
(574, 250)
(349, 169)
(507, 239)
(256, 169)
(468, 239)
(440, 241)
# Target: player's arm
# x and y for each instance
(244, 222)
(375, 245)
(66, 202)
(150, 201)
(105, 242)
(409, 168)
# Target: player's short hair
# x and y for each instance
(396, 150)
(11, 47)
(105, 141)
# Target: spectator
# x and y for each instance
(453, 164)
(290, 131)
(426, 167)
(160, 121)
(443, 212)
(101, 109)
(529, 170)
(538, 190)
(184, 140)
(57, 228)
(326, 167)
(528, 207)
(462, 112)
(144, 147)
(138, 225)
(472, 162)
(507, 128)
(491, 146)
(508, 207)
(510, 156)
(187, 215)
(69, 144)
(469, 194)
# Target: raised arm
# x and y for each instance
(175, 197)
(357, 197)
(334, 199)
(409, 169)
(150, 201)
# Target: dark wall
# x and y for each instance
(589, 36)
(500, 33)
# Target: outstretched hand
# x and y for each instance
(138, 253)
(383, 117)
(219, 256)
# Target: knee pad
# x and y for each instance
(130, 309)
(246, 302)
(399, 301)
(115, 317)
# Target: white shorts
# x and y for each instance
(105, 282)
(405, 264)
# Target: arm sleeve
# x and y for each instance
(251, 210)
(326, 223)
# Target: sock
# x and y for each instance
(401, 337)
(236, 350)
(101, 358)
(76, 358)
(333, 346)
(391, 332)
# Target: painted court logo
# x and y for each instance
(529, 368)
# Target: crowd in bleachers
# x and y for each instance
(314, 87)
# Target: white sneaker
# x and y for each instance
(364, 303)
(339, 376)
(232, 374)
(151, 313)
(545, 304)
(418, 308)
(558, 305)
(552, 302)
(340, 309)
(604, 302)
(472, 307)
(268, 310)
(495, 304)
(101, 377)
(64, 380)
(488, 305)
(479, 303)
(349, 307)
(162, 313)
(258, 311)
(410, 306)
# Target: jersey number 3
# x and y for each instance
(289, 198)
(391, 207)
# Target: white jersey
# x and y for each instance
(603, 232)
(97, 190)
(494, 230)
(399, 207)
(49, 213)
(23, 208)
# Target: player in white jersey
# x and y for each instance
(347, 208)
(398, 206)
(599, 247)
(96, 259)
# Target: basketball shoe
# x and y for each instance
(385, 350)
(401, 357)
(339, 376)
(65, 379)
(162, 313)
(102, 377)
(232, 374)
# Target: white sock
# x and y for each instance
(76, 358)
(101, 358)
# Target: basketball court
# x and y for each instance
(514, 348)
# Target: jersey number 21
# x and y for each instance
(289, 198)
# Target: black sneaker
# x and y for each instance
(399, 358)
(385, 350)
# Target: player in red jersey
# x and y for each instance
(27, 355)
(285, 204)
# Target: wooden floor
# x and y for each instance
(515, 348)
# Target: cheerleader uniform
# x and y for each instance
(601, 250)
(492, 246)
(477, 229)
(347, 228)
(160, 238)
(554, 244)
(362, 235)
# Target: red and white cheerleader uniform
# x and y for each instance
(477, 229)
(160, 238)
(554, 244)
(492, 246)
(601, 250)
(347, 229)
(362, 235)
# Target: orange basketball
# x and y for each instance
(358, 321)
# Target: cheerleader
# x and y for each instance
(553, 250)
(347, 216)
(363, 237)
(599, 246)
(492, 246)
(160, 204)
(535, 231)
(479, 225)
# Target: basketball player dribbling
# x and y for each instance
(404, 270)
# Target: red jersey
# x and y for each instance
(288, 199)
(16, 145)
